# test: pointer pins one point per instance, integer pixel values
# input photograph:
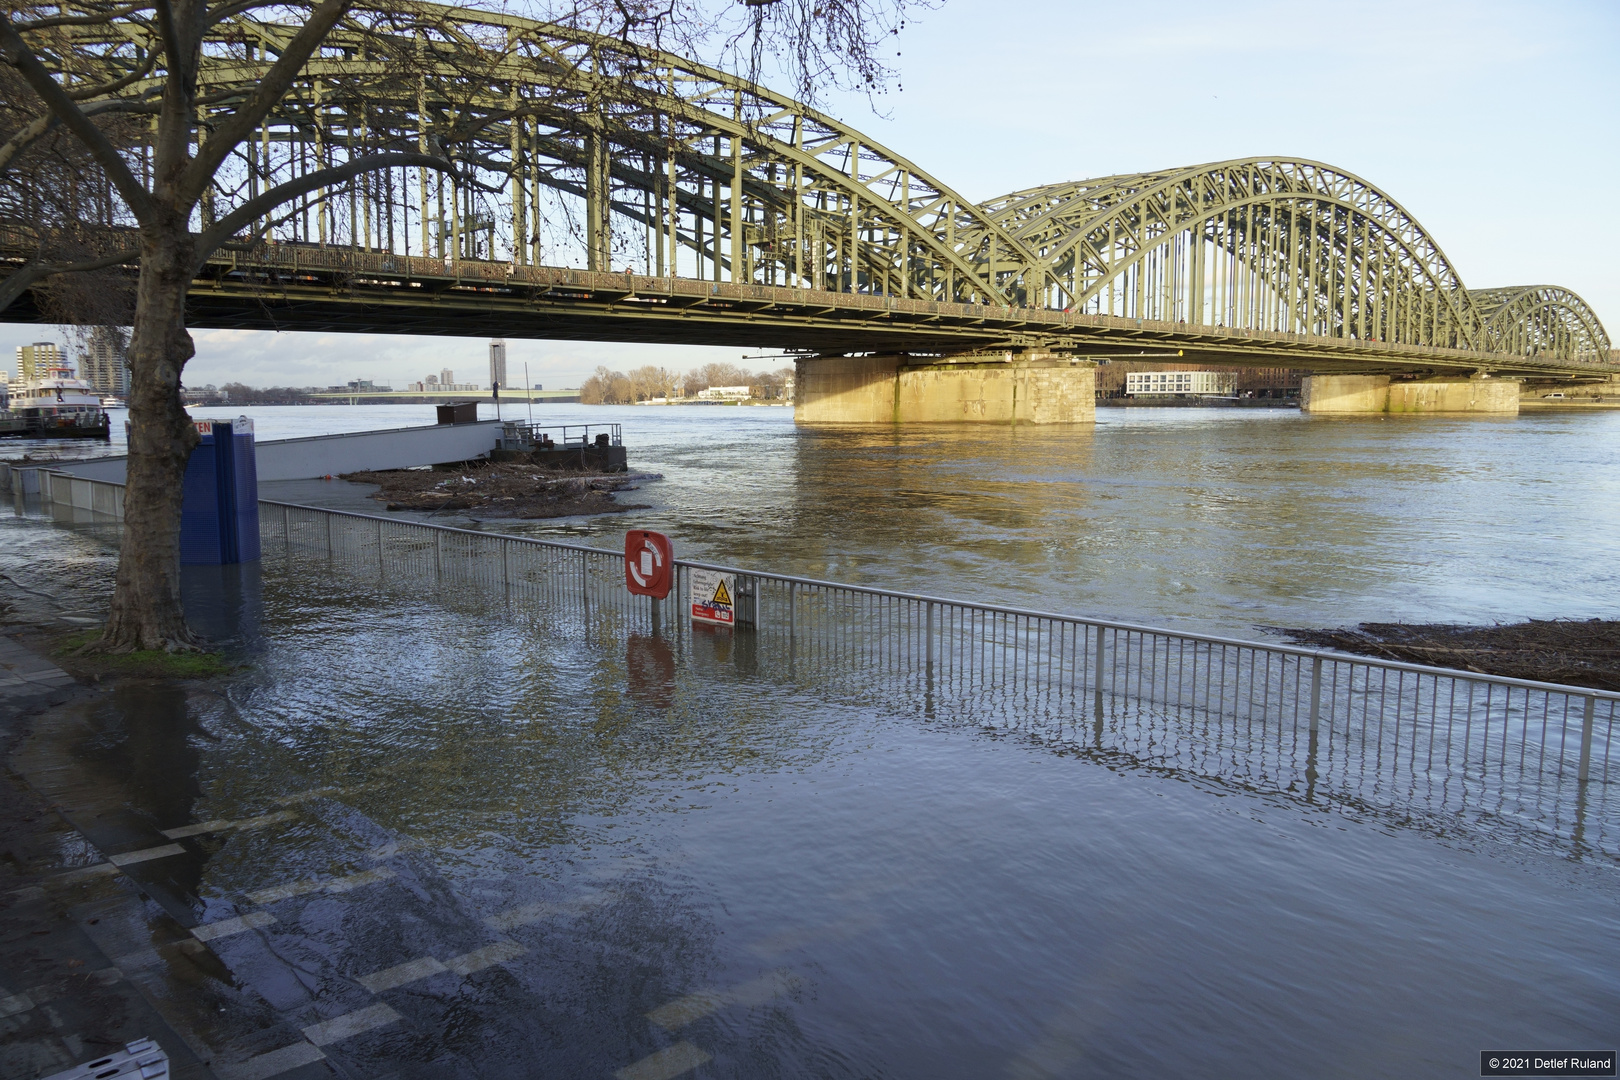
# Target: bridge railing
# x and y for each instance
(1401, 743)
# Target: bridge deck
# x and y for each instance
(303, 287)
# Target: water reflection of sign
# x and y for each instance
(650, 664)
(649, 560)
(712, 597)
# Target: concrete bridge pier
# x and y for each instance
(1352, 394)
(981, 388)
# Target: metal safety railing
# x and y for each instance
(1422, 745)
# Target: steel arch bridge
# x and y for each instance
(804, 232)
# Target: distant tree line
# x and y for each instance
(609, 387)
(242, 394)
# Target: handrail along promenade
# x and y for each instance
(1419, 744)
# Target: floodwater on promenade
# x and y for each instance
(526, 845)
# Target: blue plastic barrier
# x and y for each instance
(219, 518)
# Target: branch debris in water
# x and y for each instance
(503, 490)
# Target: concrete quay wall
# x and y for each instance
(311, 456)
(1347, 395)
(998, 388)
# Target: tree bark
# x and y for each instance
(146, 610)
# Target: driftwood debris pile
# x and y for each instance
(1566, 651)
(504, 490)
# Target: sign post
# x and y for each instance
(714, 597)
(649, 566)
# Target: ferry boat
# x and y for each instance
(56, 405)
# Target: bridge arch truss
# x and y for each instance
(626, 154)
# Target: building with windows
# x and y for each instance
(725, 393)
(33, 361)
(104, 366)
(1194, 383)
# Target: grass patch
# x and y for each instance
(147, 664)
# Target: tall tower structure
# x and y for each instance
(497, 363)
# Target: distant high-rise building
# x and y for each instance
(497, 363)
(103, 366)
(447, 376)
(33, 360)
(433, 380)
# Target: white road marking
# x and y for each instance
(274, 1063)
(327, 792)
(682, 1011)
(523, 916)
(223, 825)
(129, 858)
(226, 927)
(310, 885)
(668, 1063)
(400, 974)
(93, 870)
(217, 825)
(17, 1003)
(488, 956)
(533, 913)
(348, 1025)
(354, 881)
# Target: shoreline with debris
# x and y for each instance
(1567, 651)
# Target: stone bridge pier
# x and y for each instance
(981, 388)
(1351, 394)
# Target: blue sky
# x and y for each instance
(1497, 125)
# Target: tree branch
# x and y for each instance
(44, 122)
(118, 84)
(101, 19)
(15, 51)
(200, 173)
(24, 277)
(228, 225)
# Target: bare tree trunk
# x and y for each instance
(146, 611)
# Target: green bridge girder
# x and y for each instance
(718, 186)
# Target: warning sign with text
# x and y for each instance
(713, 596)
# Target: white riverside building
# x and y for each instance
(725, 393)
(1196, 383)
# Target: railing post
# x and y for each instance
(1316, 691)
(438, 554)
(793, 594)
(286, 526)
(1585, 770)
(928, 633)
(1097, 686)
(330, 550)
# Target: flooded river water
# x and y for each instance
(509, 843)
